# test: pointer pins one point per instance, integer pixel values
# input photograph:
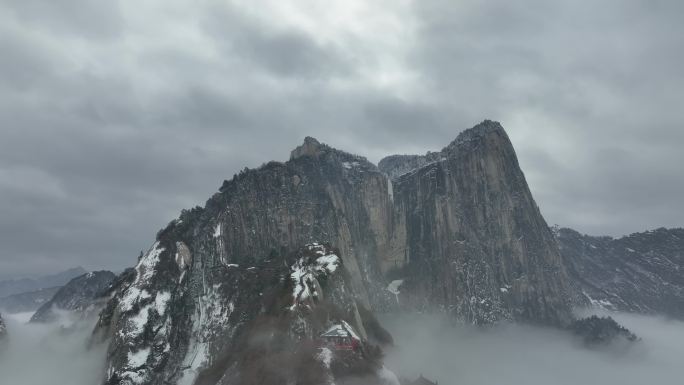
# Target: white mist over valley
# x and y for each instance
(454, 354)
(45, 354)
(432, 346)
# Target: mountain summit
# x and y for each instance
(456, 231)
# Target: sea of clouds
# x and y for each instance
(526, 355)
(452, 354)
(47, 354)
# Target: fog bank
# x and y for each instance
(48, 354)
(526, 355)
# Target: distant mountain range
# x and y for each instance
(25, 285)
(78, 295)
(27, 302)
(641, 273)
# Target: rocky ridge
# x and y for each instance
(27, 302)
(25, 285)
(640, 273)
(243, 324)
(78, 296)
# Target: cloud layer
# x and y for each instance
(39, 354)
(116, 116)
(519, 354)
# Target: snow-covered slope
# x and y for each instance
(234, 324)
(78, 296)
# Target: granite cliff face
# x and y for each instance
(476, 243)
(455, 231)
(78, 296)
(641, 273)
(3, 329)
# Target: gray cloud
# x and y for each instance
(114, 118)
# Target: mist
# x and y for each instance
(41, 354)
(528, 355)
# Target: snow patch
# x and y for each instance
(600, 303)
(137, 322)
(161, 301)
(394, 286)
(325, 356)
(328, 263)
(139, 358)
(304, 274)
(387, 377)
(133, 296)
(147, 264)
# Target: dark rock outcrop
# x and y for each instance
(641, 273)
(596, 330)
(78, 296)
(3, 329)
(27, 302)
(458, 234)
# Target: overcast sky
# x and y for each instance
(115, 115)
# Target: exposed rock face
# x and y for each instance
(397, 165)
(642, 272)
(78, 296)
(476, 243)
(27, 302)
(460, 233)
(3, 329)
(235, 324)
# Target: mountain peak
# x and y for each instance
(487, 131)
(479, 131)
(310, 147)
